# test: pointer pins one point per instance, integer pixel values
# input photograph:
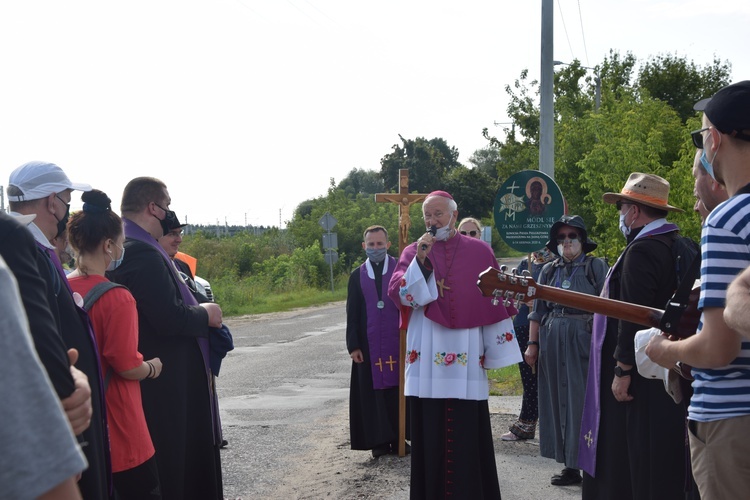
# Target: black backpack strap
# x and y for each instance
(95, 294)
(97, 291)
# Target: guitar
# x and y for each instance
(679, 320)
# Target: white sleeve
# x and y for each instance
(416, 291)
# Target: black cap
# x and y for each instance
(729, 110)
(175, 224)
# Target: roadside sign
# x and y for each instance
(327, 221)
(330, 240)
(331, 256)
(526, 206)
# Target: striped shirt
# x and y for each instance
(722, 393)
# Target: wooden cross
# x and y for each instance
(391, 362)
(404, 200)
(380, 364)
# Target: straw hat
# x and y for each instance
(646, 189)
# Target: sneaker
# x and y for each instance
(567, 477)
(509, 436)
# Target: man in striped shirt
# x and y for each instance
(719, 412)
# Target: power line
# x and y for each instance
(562, 18)
(583, 35)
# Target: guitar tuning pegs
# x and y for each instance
(503, 268)
(506, 303)
(514, 271)
(495, 301)
(520, 296)
(526, 273)
(502, 277)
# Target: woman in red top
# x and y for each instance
(96, 233)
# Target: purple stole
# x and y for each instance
(382, 329)
(136, 232)
(589, 436)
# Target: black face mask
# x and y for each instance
(168, 222)
(62, 224)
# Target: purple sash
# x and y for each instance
(136, 232)
(382, 329)
(589, 437)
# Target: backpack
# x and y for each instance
(686, 255)
(95, 294)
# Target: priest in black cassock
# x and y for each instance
(372, 339)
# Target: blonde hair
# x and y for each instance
(472, 220)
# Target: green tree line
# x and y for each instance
(642, 125)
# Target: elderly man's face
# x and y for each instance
(437, 213)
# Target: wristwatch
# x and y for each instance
(620, 372)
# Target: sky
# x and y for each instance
(246, 108)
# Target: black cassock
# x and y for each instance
(373, 414)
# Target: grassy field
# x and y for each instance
(505, 381)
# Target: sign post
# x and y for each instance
(330, 242)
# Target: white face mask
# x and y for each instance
(573, 250)
(624, 229)
(443, 233)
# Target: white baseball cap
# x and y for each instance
(37, 179)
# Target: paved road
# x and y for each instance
(287, 378)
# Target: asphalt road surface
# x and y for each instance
(284, 406)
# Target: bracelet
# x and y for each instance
(532, 342)
(151, 369)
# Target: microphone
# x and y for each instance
(433, 231)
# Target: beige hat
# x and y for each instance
(646, 189)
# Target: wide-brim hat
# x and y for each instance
(176, 224)
(575, 221)
(646, 189)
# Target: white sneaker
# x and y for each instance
(509, 436)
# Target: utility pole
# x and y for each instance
(546, 105)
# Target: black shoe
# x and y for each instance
(567, 477)
(223, 444)
(380, 451)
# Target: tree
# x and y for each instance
(681, 83)
(485, 160)
(362, 182)
(473, 190)
(429, 162)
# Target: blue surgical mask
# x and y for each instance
(376, 255)
(707, 164)
(115, 263)
(624, 229)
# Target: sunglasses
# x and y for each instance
(697, 136)
(470, 233)
(570, 236)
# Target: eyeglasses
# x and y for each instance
(570, 236)
(470, 233)
(619, 204)
(697, 136)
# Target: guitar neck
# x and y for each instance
(642, 315)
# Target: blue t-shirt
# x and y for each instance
(724, 392)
